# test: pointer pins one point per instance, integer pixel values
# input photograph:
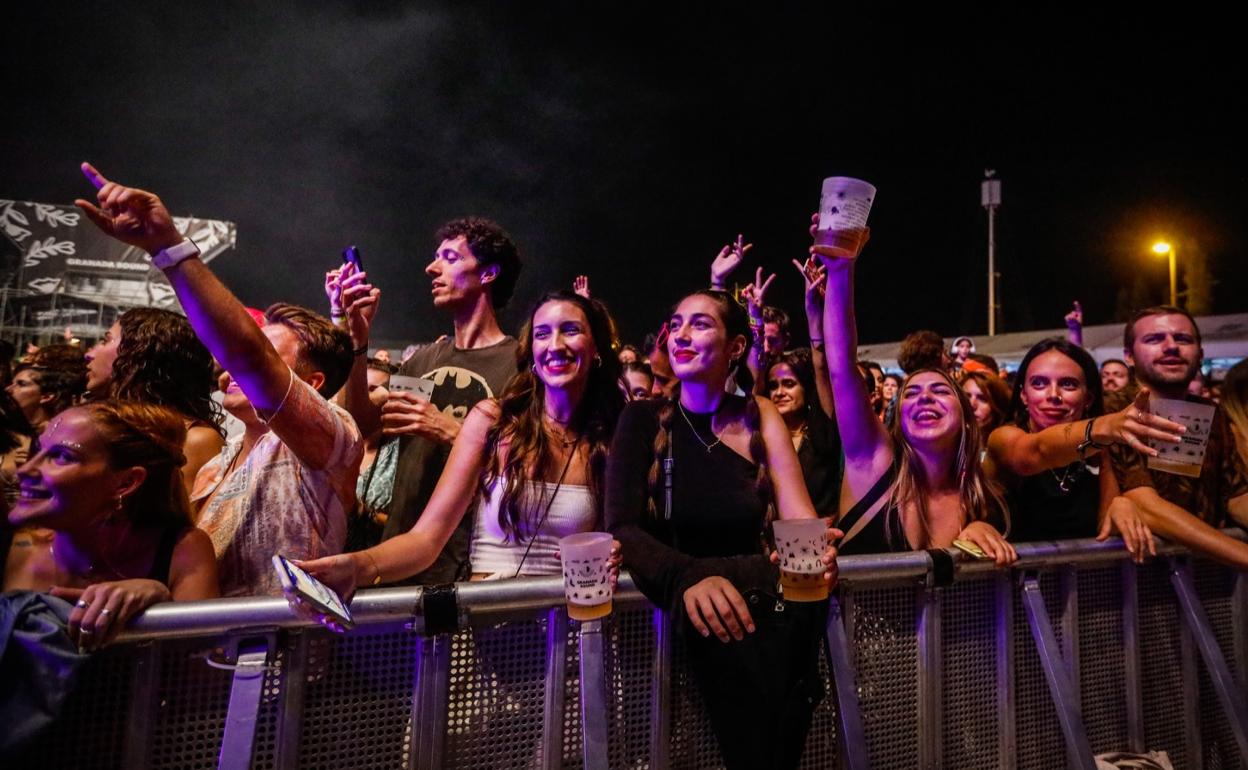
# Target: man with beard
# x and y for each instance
(1163, 344)
(1115, 375)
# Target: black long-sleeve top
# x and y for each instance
(717, 514)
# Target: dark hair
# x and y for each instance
(520, 425)
(161, 361)
(323, 347)
(1118, 361)
(1128, 333)
(491, 245)
(382, 366)
(798, 360)
(997, 393)
(921, 350)
(152, 437)
(897, 378)
(1091, 377)
(737, 324)
(631, 348)
(63, 382)
(777, 316)
(12, 423)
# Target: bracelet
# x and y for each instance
(360, 351)
(179, 252)
(376, 569)
(1088, 442)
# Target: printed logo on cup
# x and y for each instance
(1186, 457)
(418, 385)
(586, 581)
(802, 552)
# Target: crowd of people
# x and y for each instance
(124, 490)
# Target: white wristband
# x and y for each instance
(167, 258)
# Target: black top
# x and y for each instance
(875, 536)
(164, 554)
(716, 510)
(822, 461)
(1040, 510)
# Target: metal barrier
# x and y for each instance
(1073, 652)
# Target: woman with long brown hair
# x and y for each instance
(537, 457)
(919, 484)
(153, 356)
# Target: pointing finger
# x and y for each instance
(94, 177)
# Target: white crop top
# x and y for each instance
(571, 511)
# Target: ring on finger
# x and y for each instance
(86, 631)
(83, 603)
(106, 612)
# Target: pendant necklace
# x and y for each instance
(696, 435)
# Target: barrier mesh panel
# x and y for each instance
(629, 648)
(1102, 662)
(821, 742)
(1160, 654)
(91, 730)
(886, 656)
(193, 700)
(497, 696)
(1215, 585)
(572, 751)
(357, 699)
(1037, 732)
(693, 743)
(969, 687)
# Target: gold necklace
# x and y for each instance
(696, 435)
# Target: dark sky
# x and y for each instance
(632, 147)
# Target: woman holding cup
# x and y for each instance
(691, 483)
(919, 484)
(537, 455)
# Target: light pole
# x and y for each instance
(1161, 247)
(990, 198)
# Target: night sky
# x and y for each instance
(632, 150)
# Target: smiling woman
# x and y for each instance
(105, 482)
(537, 455)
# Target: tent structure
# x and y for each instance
(58, 271)
(1224, 338)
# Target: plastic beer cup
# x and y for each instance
(586, 560)
(843, 210)
(801, 543)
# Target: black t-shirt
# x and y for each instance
(461, 379)
(716, 511)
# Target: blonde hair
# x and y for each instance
(979, 498)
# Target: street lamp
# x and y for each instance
(1161, 247)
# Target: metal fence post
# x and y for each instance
(294, 689)
(240, 719)
(1239, 619)
(845, 680)
(556, 683)
(930, 675)
(660, 692)
(1065, 698)
(1007, 745)
(1131, 667)
(593, 697)
(429, 701)
(1196, 621)
(1068, 582)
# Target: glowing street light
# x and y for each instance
(1161, 247)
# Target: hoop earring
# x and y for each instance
(597, 360)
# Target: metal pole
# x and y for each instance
(992, 271)
(1174, 272)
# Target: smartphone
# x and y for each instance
(352, 254)
(312, 591)
(966, 546)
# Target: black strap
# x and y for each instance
(870, 498)
(549, 503)
(439, 606)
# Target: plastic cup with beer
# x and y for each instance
(843, 210)
(1188, 456)
(586, 560)
(801, 543)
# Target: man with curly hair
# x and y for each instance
(473, 274)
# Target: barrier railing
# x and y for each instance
(933, 662)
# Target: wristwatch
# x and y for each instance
(167, 258)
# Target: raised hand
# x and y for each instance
(359, 303)
(829, 255)
(756, 294)
(815, 280)
(333, 291)
(130, 215)
(580, 285)
(729, 258)
(1074, 319)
